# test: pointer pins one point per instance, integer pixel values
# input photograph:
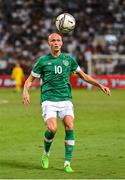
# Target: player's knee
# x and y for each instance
(52, 129)
(69, 126)
(52, 125)
(68, 122)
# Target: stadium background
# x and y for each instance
(25, 26)
(98, 44)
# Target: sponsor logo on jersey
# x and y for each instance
(49, 63)
(66, 63)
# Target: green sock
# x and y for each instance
(69, 144)
(48, 138)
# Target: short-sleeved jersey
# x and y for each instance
(55, 74)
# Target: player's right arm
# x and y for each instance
(27, 85)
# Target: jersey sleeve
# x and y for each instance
(36, 70)
(74, 66)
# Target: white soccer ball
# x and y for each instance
(65, 22)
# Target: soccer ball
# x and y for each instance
(65, 22)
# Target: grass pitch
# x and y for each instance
(100, 137)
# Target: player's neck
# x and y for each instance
(55, 53)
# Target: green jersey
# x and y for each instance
(55, 75)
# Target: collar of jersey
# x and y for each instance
(56, 57)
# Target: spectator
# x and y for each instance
(17, 75)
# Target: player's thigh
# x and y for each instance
(67, 110)
(49, 115)
(51, 124)
(48, 110)
(68, 122)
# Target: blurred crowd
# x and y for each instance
(25, 26)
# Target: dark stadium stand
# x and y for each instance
(25, 25)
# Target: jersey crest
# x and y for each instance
(66, 63)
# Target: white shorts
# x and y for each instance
(57, 109)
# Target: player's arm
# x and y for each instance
(93, 81)
(27, 85)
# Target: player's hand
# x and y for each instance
(26, 98)
(106, 90)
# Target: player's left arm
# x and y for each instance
(93, 81)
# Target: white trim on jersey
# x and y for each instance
(78, 69)
(35, 74)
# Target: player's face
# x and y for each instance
(55, 42)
